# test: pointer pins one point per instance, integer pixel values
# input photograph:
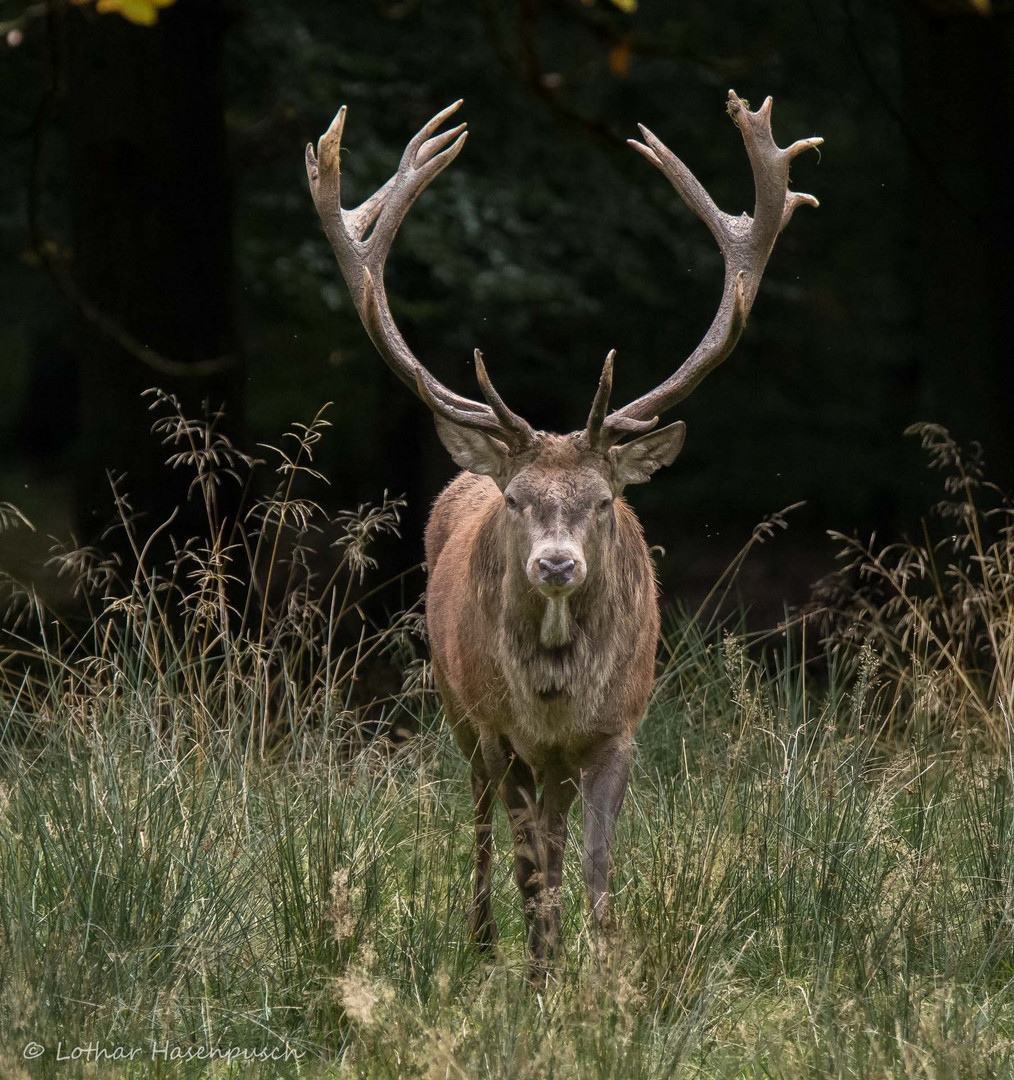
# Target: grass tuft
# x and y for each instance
(937, 611)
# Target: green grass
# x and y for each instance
(794, 899)
(202, 849)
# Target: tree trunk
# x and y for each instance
(959, 80)
(152, 242)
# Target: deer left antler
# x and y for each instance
(745, 243)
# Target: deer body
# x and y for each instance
(527, 713)
(541, 602)
(485, 620)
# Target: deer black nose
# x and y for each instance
(556, 571)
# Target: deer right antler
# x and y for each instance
(745, 243)
(362, 254)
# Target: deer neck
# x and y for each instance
(557, 629)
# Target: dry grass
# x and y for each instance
(938, 612)
(199, 847)
(235, 630)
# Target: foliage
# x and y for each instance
(141, 12)
(939, 611)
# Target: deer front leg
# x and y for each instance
(483, 925)
(603, 785)
(515, 782)
(554, 805)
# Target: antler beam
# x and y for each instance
(362, 252)
(745, 242)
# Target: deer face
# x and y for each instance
(558, 495)
(558, 516)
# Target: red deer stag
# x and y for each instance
(541, 603)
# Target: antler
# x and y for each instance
(745, 243)
(362, 257)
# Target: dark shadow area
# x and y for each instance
(157, 231)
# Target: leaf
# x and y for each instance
(139, 12)
(619, 57)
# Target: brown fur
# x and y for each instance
(524, 713)
(541, 599)
(484, 618)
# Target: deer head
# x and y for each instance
(558, 490)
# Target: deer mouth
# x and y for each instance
(555, 592)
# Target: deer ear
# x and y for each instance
(473, 450)
(634, 462)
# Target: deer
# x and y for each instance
(541, 599)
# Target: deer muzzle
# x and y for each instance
(556, 573)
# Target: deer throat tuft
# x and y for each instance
(556, 625)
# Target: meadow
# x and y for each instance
(207, 845)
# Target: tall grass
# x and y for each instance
(939, 609)
(236, 633)
(805, 886)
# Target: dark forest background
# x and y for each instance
(156, 230)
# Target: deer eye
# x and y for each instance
(512, 503)
(605, 503)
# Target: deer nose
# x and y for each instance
(556, 571)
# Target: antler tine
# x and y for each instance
(362, 253)
(599, 437)
(427, 389)
(600, 403)
(745, 242)
(507, 417)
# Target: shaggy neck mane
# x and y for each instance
(563, 647)
(556, 629)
